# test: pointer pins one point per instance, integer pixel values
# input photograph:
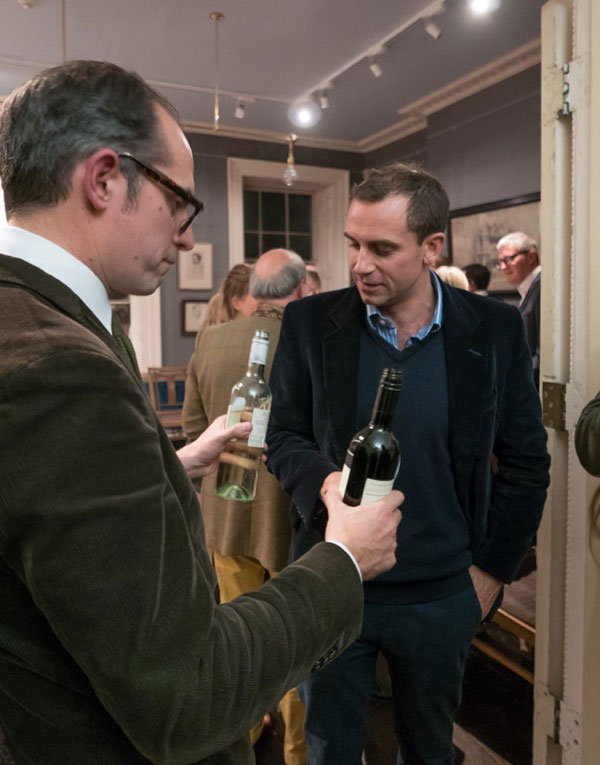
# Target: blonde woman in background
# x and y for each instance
(232, 300)
(453, 276)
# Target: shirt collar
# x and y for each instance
(60, 264)
(523, 288)
(380, 322)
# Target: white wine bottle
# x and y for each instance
(373, 457)
(250, 402)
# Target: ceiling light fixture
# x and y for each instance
(216, 16)
(482, 7)
(432, 29)
(304, 112)
(240, 110)
(27, 5)
(323, 100)
(375, 67)
(290, 175)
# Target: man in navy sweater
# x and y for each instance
(468, 393)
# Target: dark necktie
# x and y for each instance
(127, 353)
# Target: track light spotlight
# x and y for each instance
(304, 113)
(432, 29)
(324, 100)
(484, 6)
(240, 110)
(375, 67)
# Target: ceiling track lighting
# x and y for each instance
(216, 16)
(290, 175)
(432, 29)
(375, 67)
(240, 110)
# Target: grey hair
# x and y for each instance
(64, 115)
(519, 240)
(281, 284)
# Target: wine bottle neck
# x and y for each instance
(385, 404)
(255, 370)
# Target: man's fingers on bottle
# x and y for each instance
(241, 430)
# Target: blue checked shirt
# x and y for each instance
(385, 327)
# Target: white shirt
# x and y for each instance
(54, 261)
(523, 288)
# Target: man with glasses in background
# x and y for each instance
(519, 260)
(112, 647)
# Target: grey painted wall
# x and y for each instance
(484, 148)
(487, 147)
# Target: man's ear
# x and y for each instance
(100, 173)
(303, 290)
(432, 246)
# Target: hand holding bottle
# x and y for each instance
(368, 531)
(201, 457)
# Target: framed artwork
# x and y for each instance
(192, 313)
(473, 233)
(195, 268)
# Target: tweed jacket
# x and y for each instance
(493, 408)
(258, 529)
(112, 648)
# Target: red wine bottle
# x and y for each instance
(373, 457)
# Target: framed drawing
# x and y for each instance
(195, 268)
(192, 313)
(473, 233)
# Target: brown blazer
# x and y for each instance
(260, 529)
(112, 647)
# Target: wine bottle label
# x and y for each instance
(375, 490)
(234, 411)
(258, 351)
(344, 479)
(260, 420)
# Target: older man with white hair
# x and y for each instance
(519, 259)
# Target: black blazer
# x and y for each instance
(530, 311)
(493, 408)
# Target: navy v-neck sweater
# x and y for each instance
(433, 552)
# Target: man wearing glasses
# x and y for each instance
(112, 647)
(519, 260)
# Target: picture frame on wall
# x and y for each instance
(195, 267)
(473, 233)
(192, 313)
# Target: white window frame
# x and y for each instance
(330, 190)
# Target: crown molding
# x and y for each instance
(512, 63)
(250, 134)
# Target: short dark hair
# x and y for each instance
(428, 205)
(478, 274)
(65, 114)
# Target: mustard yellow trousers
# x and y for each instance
(238, 575)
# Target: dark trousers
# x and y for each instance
(425, 645)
